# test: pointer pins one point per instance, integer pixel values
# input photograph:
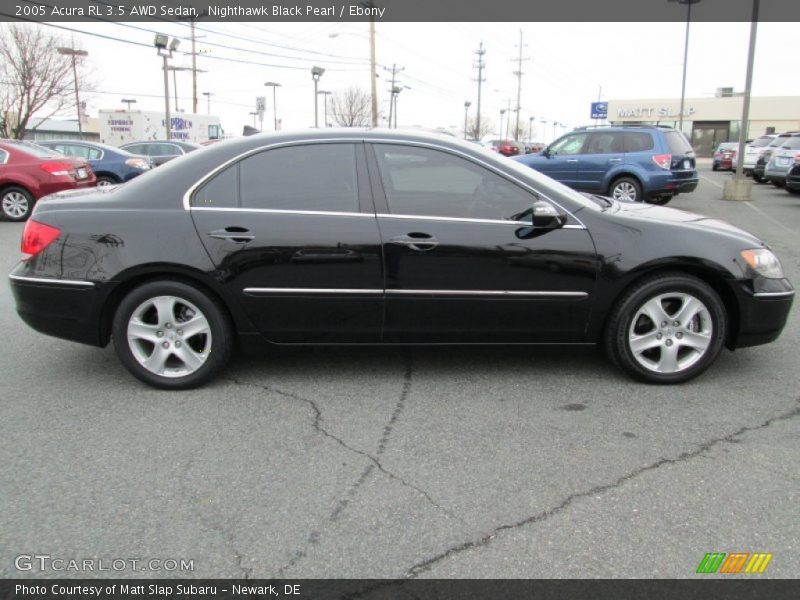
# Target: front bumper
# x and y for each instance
(62, 308)
(763, 311)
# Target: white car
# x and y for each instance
(753, 151)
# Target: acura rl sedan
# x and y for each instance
(380, 237)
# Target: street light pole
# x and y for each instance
(72, 53)
(502, 112)
(165, 49)
(325, 105)
(208, 101)
(688, 4)
(129, 101)
(467, 104)
(530, 129)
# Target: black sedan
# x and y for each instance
(161, 152)
(377, 237)
(793, 179)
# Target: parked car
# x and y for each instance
(161, 152)
(723, 156)
(793, 179)
(28, 172)
(506, 147)
(782, 159)
(631, 163)
(110, 165)
(371, 237)
(766, 155)
(754, 150)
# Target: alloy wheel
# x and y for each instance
(169, 336)
(624, 192)
(15, 205)
(670, 332)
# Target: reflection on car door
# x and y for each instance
(293, 234)
(462, 262)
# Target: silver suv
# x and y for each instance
(782, 159)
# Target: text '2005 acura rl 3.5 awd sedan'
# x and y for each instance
(371, 237)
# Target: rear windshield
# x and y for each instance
(677, 142)
(793, 143)
(778, 141)
(36, 150)
(761, 142)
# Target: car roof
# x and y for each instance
(81, 143)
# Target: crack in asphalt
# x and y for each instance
(374, 460)
(213, 524)
(423, 566)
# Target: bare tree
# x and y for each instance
(352, 108)
(487, 126)
(34, 78)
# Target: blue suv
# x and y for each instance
(629, 163)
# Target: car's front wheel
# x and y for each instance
(106, 180)
(626, 189)
(172, 335)
(667, 329)
(16, 203)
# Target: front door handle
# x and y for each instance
(415, 240)
(614, 160)
(572, 160)
(240, 235)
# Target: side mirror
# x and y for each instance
(547, 216)
(546, 152)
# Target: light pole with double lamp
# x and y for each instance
(129, 101)
(165, 48)
(72, 53)
(274, 87)
(316, 73)
(467, 104)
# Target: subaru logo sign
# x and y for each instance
(599, 110)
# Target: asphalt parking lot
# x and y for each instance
(391, 463)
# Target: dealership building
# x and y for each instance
(709, 121)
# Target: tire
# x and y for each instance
(660, 200)
(715, 167)
(626, 189)
(758, 178)
(104, 180)
(664, 356)
(794, 191)
(778, 184)
(16, 203)
(147, 327)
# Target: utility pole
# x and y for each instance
(393, 89)
(519, 75)
(208, 100)
(480, 65)
(72, 53)
(373, 73)
(194, 69)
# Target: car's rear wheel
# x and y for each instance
(626, 189)
(667, 329)
(758, 178)
(16, 203)
(172, 335)
(776, 183)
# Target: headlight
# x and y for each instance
(138, 163)
(763, 262)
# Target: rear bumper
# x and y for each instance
(673, 187)
(61, 308)
(762, 314)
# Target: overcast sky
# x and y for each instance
(568, 62)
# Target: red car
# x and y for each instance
(506, 147)
(723, 157)
(28, 172)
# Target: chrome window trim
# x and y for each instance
(52, 145)
(504, 293)
(773, 294)
(280, 211)
(52, 280)
(467, 220)
(357, 139)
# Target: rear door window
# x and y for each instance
(222, 190)
(677, 142)
(793, 143)
(605, 142)
(637, 141)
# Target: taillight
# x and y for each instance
(663, 160)
(797, 157)
(36, 237)
(56, 168)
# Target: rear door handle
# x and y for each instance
(233, 234)
(415, 240)
(615, 160)
(572, 160)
